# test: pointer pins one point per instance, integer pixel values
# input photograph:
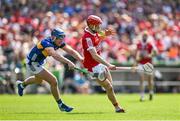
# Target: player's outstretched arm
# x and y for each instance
(73, 52)
(51, 52)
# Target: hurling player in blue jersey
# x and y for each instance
(35, 61)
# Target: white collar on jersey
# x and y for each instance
(86, 29)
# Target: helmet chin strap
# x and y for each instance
(53, 38)
(93, 31)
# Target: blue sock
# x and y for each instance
(59, 101)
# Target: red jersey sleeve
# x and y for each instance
(89, 43)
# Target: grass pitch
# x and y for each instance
(89, 107)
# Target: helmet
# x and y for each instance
(58, 33)
(94, 20)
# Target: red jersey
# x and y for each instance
(145, 49)
(89, 41)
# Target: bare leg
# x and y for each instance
(109, 90)
(142, 76)
(150, 83)
(150, 86)
(32, 80)
(109, 78)
(51, 79)
(107, 84)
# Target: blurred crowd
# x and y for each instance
(25, 22)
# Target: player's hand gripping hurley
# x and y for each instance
(100, 76)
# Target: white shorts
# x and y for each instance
(141, 73)
(100, 72)
(100, 68)
(34, 68)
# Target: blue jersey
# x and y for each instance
(38, 52)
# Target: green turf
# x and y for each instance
(89, 107)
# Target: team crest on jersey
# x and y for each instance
(89, 42)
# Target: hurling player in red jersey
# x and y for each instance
(145, 52)
(91, 43)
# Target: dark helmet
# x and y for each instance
(58, 33)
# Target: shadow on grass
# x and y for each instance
(136, 101)
(74, 113)
(70, 113)
(34, 113)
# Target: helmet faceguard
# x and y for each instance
(94, 23)
(94, 28)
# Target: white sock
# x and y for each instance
(151, 92)
(22, 86)
(142, 94)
